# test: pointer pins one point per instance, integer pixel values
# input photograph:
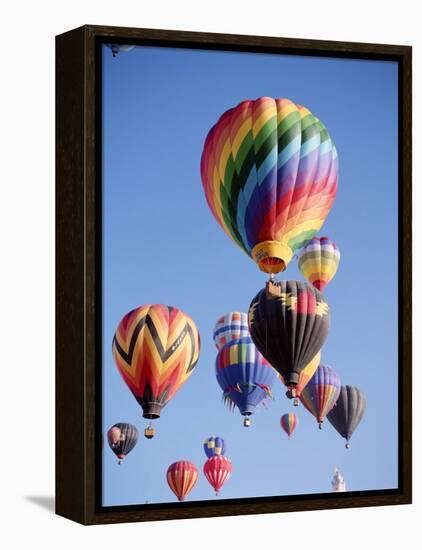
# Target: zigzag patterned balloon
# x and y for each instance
(155, 348)
(269, 170)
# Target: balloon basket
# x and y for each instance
(246, 423)
(347, 445)
(149, 432)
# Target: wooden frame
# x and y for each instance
(78, 310)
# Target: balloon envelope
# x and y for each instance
(289, 422)
(117, 48)
(181, 478)
(318, 261)
(348, 411)
(155, 348)
(304, 376)
(243, 374)
(218, 470)
(269, 171)
(232, 326)
(214, 446)
(122, 438)
(321, 393)
(289, 323)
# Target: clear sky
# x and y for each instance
(161, 244)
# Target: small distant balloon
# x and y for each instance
(321, 393)
(118, 48)
(122, 438)
(348, 411)
(289, 422)
(181, 478)
(214, 446)
(218, 470)
(319, 261)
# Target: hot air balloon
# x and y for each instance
(232, 326)
(155, 348)
(122, 438)
(304, 377)
(245, 377)
(269, 170)
(321, 393)
(318, 261)
(347, 412)
(289, 323)
(338, 483)
(182, 477)
(289, 422)
(214, 446)
(218, 470)
(117, 48)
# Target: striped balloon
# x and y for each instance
(243, 374)
(155, 348)
(122, 438)
(318, 261)
(289, 422)
(182, 477)
(269, 170)
(214, 446)
(232, 326)
(321, 393)
(218, 470)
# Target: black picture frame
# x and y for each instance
(78, 274)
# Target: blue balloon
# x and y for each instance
(214, 446)
(243, 374)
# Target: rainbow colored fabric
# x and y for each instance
(289, 422)
(319, 261)
(269, 170)
(321, 392)
(232, 326)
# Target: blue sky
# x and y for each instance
(162, 245)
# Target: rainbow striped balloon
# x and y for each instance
(321, 393)
(232, 326)
(269, 170)
(318, 261)
(289, 422)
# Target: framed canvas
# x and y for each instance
(233, 230)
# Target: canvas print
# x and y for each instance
(249, 275)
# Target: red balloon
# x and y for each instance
(218, 470)
(182, 477)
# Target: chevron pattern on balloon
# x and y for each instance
(155, 348)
